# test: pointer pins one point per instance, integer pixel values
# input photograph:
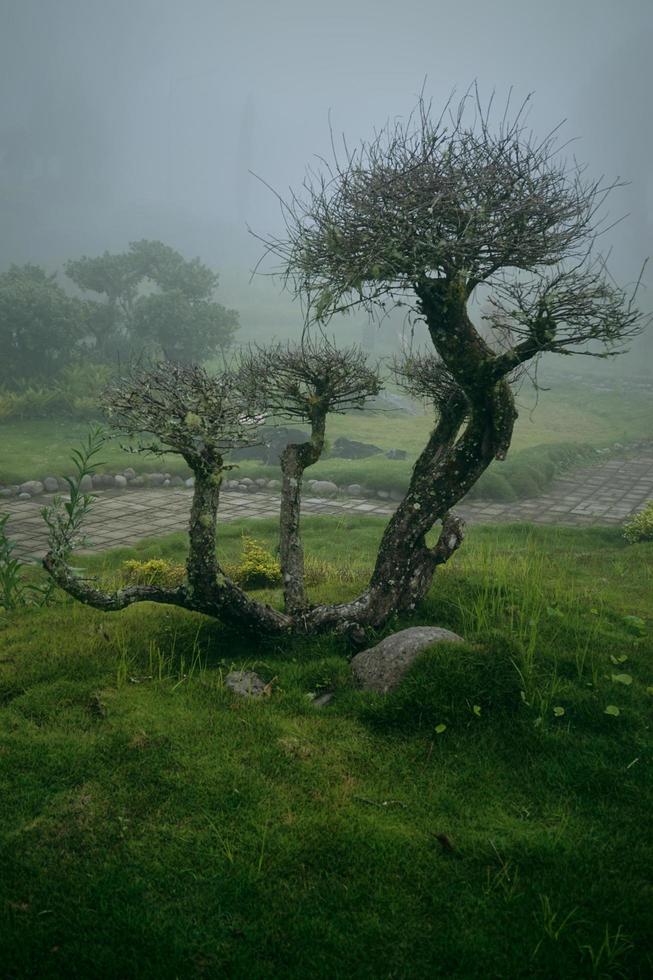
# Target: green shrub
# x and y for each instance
(493, 486)
(258, 568)
(525, 483)
(640, 526)
(74, 394)
(156, 571)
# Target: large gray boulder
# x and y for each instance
(381, 668)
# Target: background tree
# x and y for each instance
(155, 300)
(425, 215)
(40, 326)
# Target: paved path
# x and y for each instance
(605, 493)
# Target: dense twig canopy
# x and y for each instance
(309, 377)
(466, 200)
(185, 409)
(422, 374)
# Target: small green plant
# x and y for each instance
(640, 527)
(258, 568)
(15, 589)
(156, 571)
(65, 518)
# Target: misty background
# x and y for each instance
(136, 119)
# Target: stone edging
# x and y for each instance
(129, 479)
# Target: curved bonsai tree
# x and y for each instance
(424, 216)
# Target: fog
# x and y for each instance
(138, 119)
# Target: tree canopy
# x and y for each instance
(40, 325)
(427, 213)
(155, 300)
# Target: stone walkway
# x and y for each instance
(605, 493)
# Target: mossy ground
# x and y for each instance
(154, 825)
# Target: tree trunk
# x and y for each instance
(294, 460)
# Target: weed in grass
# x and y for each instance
(604, 960)
(552, 923)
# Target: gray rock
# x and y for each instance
(345, 448)
(261, 482)
(190, 482)
(120, 481)
(63, 486)
(322, 700)
(129, 473)
(102, 481)
(381, 668)
(383, 494)
(246, 683)
(396, 454)
(7, 492)
(51, 484)
(397, 495)
(354, 490)
(86, 484)
(246, 481)
(24, 496)
(137, 481)
(324, 488)
(274, 484)
(176, 481)
(166, 483)
(32, 487)
(155, 479)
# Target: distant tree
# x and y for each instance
(40, 325)
(155, 300)
(424, 216)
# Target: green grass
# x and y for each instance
(156, 826)
(558, 433)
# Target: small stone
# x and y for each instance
(382, 667)
(354, 490)
(190, 482)
(397, 495)
(383, 494)
(137, 481)
(274, 484)
(155, 479)
(120, 481)
(7, 492)
(325, 488)
(102, 481)
(261, 482)
(129, 473)
(31, 487)
(51, 484)
(24, 496)
(176, 481)
(86, 484)
(322, 700)
(247, 683)
(166, 483)
(246, 481)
